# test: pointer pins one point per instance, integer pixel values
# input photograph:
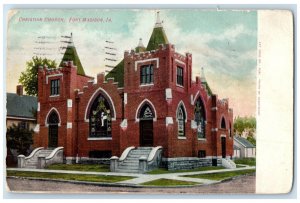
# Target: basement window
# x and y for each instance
(201, 153)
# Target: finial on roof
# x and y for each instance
(141, 43)
(158, 21)
(71, 43)
(203, 79)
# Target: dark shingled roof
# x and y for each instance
(21, 106)
(117, 73)
(236, 148)
(71, 55)
(244, 142)
(158, 36)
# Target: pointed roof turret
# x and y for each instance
(204, 82)
(202, 77)
(140, 47)
(158, 35)
(71, 55)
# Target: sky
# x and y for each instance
(224, 43)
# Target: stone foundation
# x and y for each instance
(86, 160)
(185, 163)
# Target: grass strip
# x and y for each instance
(80, 167)
(246, 161)
(164, 170)
(66, 176)
(169, 182)
(223, 175)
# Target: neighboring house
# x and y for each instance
(21, 111)
(149, 99)
(247, 149)
(236, 152)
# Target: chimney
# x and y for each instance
(20, 90)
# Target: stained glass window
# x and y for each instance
(200, 118)
(146, 112)
(181, 121)
(100, 118)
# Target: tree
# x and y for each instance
(29, 77)
(244, 123)
(19, 138)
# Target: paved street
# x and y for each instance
(240, 185)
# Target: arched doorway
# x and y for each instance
(53, 121)
(146, 126)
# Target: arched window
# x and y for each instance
(53, 118)
(146, 113)
(100, 118)
(200, 118)
(181, 121)
(223, 123)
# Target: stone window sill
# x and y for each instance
(146, 84)
(99, 138)
(202, 139)
(181, 138)
(55, 95)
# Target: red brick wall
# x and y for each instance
(75, 139)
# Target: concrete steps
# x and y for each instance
(131, 163)
(32, 163)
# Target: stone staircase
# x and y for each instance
(228, 163)
(41, 158)
(131, 162)
(32, 163)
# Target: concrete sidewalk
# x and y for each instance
(142, 178)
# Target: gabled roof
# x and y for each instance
(71, 55)
(21, 106)
(244, 142)
(236, 147)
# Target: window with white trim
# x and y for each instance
(100, 118)
(181, 121)
(179, 76)
(200, 118)
(54, 85)
(146, 74)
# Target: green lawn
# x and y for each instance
(164, 170)
(168, 182)
(65, 176)
(223, 175)
(246, 161)
(80, 167)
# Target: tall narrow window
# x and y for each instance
(54, 87)
(223, 123)
(181, 121)
(146, 74)
(230, 129)
(100, 118)
(179, 75)
(200, 118)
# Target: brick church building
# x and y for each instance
(148, 99)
